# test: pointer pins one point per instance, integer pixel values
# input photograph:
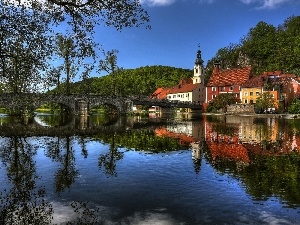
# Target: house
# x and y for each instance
(252, 89)
(188, 89)
(226, 81)
(283, 88)
(192, 89)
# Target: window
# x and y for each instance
(251, 93)
(246, 101)
(213, 88)
(245, 93)
(174, 96)
(214, 96)
(231, 88)
(257, 93)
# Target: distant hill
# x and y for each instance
(139, 81)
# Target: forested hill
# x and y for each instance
(139, 81)
(265, 47)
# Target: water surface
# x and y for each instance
(157, 170)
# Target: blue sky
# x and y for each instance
(178, 26)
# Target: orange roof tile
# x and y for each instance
(229, 77)
(160, 93)
(184, 139)
(183, 88)
(256, 81)
(231, 151)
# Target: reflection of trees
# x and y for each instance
(82, 142)
(274, 166)
(224, 128)
(108, 160)
(274, 176)
(60, 150)
(265, 176)
(65, 176)
(23, 203)
(142, 140)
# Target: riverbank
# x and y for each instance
(281, 115)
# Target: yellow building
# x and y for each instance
(277, 84)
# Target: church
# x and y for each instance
(188, 89)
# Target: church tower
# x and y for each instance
(198, 69)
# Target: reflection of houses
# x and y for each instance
(183, 138)
(225, 146)
(250, 138)
(188, 89)
(188, 133)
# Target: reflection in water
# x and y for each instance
(108, 160)
(65, 176)
(259, 154)
(23, 203)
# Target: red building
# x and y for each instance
(226, 81)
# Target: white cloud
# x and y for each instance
(157, 2)
(266, 4)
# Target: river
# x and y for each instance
(162, 169)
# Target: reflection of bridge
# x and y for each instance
(80, 104)
(70, 126)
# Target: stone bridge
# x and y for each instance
(22, 103)
(74, 104)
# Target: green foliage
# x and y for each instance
(28, 47)
(221, 101)
(265, 100)
(294, 108)
(265, 48)
(140, 81)
(143, 140)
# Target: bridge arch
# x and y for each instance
(76, 104)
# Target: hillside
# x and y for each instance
(265, 47)
(139, 81)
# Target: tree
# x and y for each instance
(259, 44)
(221, 101)
(295, 106)
(25, 47)
(265, 100)
(110, 66)
(28, 25)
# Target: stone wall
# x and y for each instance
(240, 109)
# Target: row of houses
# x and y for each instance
(239, 81)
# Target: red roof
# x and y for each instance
(185, 85)
(160, 93)
(183, 88)
(184, 139)
(229, 77)
(256, 81)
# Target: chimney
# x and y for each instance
(216, 67)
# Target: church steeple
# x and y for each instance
(198, 69)
(199, 60)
